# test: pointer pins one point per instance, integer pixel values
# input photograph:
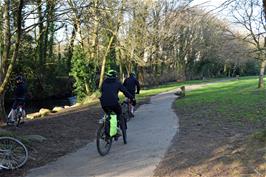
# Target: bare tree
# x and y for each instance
(248, 14)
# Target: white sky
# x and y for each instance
(208, 4)
(221, 13)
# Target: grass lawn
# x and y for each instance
(167, 87)
(222, 131)
(233, 100)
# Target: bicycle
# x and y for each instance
(13, 153)
(103, 139)
(126, 109)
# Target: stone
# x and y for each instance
(33, 115)
(57, 109)
(76, 105)
(44, 111)
(37, 138)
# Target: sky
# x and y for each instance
(208, 4)
(214, 5)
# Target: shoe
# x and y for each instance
(10, 123)
(118, 132)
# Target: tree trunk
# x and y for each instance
(95, 26)
(7, 75)
(261, 76)
(41, 34)
(6, 38)
(2, 109)
(264, 8)
(119, 21)
(104, 61)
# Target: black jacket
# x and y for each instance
(131, 83)
(110, 89)
(20, 91)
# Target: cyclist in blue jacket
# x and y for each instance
(131, 83)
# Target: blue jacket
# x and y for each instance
(110, 89)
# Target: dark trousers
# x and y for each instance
(116, 109)
(17, 102)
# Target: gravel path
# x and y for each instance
(149, 136)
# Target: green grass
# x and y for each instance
(235, 100)
(168, 87)
(148, 92)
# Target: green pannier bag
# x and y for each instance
(113, 125)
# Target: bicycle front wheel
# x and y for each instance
(103, 141)
(125, 111)
(13, 154)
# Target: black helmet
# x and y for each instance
(111, 74)
(19, 79)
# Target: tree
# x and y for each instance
(114, 33)
(249, 15)
(6, 66)
(83, 73)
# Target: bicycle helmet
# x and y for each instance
(111, 74)
(133, 74)
(19, 79)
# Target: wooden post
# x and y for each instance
(183, 91)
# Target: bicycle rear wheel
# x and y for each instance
(123, 127)
(103, 141)
(13, 154)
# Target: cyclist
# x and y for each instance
(131, 83)
(19, 95)
(109, 98)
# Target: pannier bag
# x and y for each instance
(111, 125)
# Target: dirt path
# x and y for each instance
(149, 136)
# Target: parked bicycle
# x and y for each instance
(103, 139)
(13, 153)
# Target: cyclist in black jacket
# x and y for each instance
(131, 83)
(109, 98)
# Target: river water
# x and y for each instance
(36, 105)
